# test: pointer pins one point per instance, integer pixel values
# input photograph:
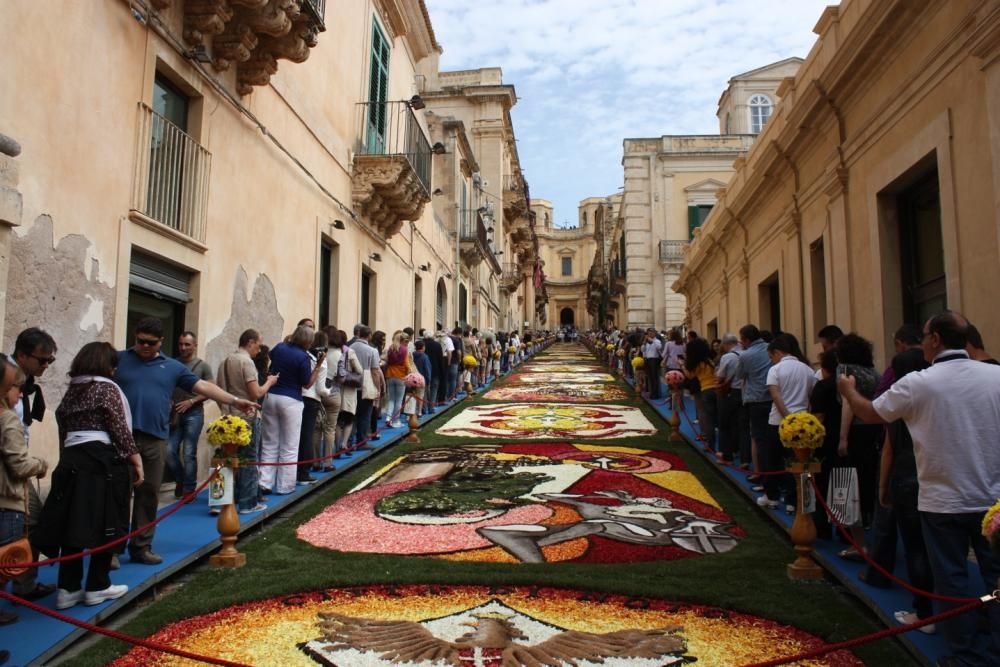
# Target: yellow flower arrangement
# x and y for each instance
(470, 361)
(496, 354)
(611, 346)
(512, 349)
(229, 430)
(801, 430)
(991, 526)
(637, 363)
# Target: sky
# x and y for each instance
(589, 73)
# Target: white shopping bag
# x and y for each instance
(843, 496)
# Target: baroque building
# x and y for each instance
(232, 165)
(670, 185)
(567, 254)
(872, 197)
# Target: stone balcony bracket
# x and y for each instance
(253, 35)
(387, 191)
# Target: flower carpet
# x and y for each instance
(422, 626)
(529, 503)
(533, 525)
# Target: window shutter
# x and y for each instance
(378, 91)
(692, 221)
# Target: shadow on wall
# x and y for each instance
(260, 312)
(55, 288)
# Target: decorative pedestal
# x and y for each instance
(468, 391)
(228, 524)
(414, 425)
(675, 416)
(803, 533)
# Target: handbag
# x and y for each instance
(345, 376)
(843, 496)
(18, 551)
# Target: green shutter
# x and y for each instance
(692, 221)
(378, 91)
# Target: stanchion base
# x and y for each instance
(233, 560)
(412, 437)
(804, 571)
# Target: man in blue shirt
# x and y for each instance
(148, 379)
(752, 368)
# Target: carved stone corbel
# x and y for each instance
(205, 18)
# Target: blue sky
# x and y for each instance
(589, 73)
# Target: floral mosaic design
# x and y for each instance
(550, 367)
(529, 503)
(427, 626)
(558, 393)
(548, 420)
(582, 378)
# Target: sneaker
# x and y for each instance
(39, 591)
(215, 510)
(790, 509)
(396, 424)
(259, 507)
(145, 557)
(907, 617)
(66, 599)
(112, 592)
(765, 502)
(307, 480)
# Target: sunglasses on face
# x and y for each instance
(147, 342)
(45, 361)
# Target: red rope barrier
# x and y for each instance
(871, 563)
(114, 634)
(124, 538)
(881, 634)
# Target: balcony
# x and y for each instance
(392, 166)
(511, 277)
(474, 241)
(171, 176)
(515, 201)
(673, 252)
(253, 35)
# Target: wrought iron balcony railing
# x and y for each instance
(317, 10)
(391, 129)
(672, 252)
(171, 175)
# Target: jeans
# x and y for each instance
(730, 416)
(187, 432)
(427, 407)
(395, 391)
(706, 405)
(452, 380)
(361, 420)
(307, 429)
(652, 366)
(248, 476)
(948, 538)
(11, 526)
(280, 444)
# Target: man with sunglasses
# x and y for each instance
(148, 379)
(34, 353)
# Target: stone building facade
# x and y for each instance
(567, 254)
(670, 186)
(232, 165)
(872, 197)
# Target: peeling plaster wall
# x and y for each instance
(50, 286)
(259, 312)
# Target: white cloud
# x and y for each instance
(589, 73)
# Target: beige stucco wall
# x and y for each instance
(928, 88)
(266, 219)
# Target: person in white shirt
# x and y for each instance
(312, 401)
(952, 411)
(789, 382)
(652, 349)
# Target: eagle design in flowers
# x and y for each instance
(549, 420)
(494, 638)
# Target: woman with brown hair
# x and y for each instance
(88, 504)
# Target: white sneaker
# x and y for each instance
(112, 592)
(790, 509)
(907, 617)
(259, 507)
(763, 501)
(66, 599)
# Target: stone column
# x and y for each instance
(10, 215)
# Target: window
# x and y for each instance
(440, 305)
(696, 216)
(328, 271)
(817, 270)
(567, 266)
(760, 111)
(378, 91)
(418, 302)
(769, 296)
(167, 152)
(463, 306)
(157, 289)
(368, 291)
(922, 250)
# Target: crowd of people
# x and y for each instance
(127, 416)
(912, 448)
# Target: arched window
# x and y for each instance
(760, 111)
(440, 306)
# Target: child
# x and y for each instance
(18, 467)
